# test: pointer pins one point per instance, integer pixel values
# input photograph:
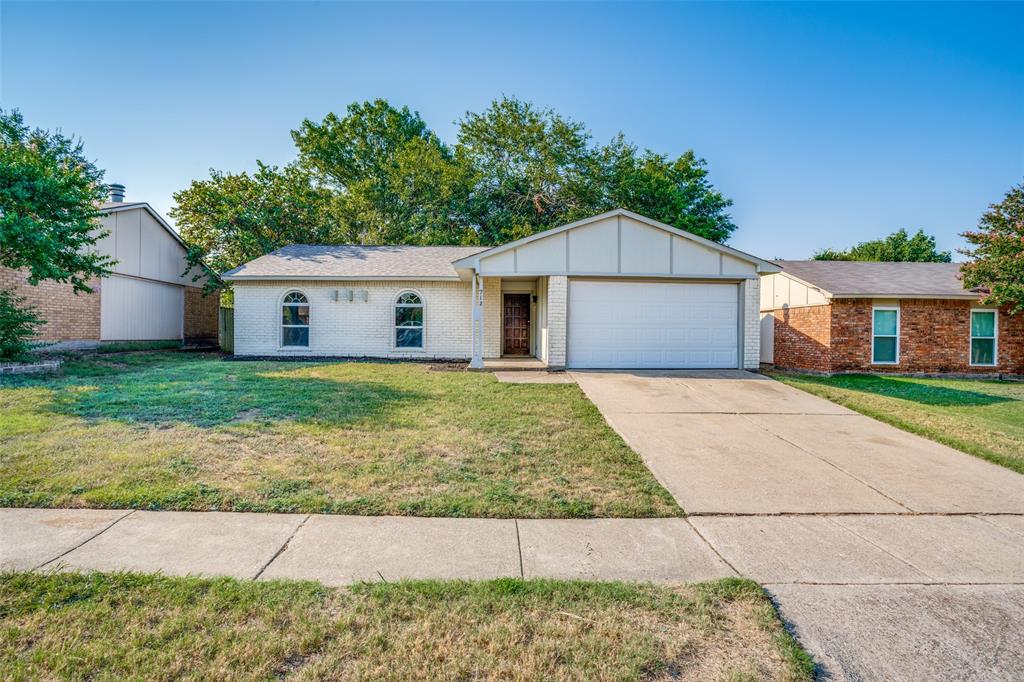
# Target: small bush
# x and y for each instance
(17, 326)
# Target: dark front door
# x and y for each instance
(517, 325)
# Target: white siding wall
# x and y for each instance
(140, 310)
(356, 328)
(780, 291)
(143, 248)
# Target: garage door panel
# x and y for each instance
(652, 325)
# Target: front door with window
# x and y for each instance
(516, 335)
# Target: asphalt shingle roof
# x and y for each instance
(860, 278)
(352, 261)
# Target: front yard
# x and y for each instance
(981, 418)
(96, 626)
(187, 431)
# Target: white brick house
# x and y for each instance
(615, 290)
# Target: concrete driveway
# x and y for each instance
(891, 556)
(732, 442)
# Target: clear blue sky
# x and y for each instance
(825, 123)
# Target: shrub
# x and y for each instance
(17, 326)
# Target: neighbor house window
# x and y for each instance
(295, 320)
(409, 320)
(885, 336)
(983, 337)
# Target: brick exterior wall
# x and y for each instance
(751, 298)
(68, 316)
(558, 303)
(201, 315)
(803, 338)
(357, 328)
(934, 338)
(492, 317)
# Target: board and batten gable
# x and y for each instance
(616, 246)
(782, 291)
(143, 247)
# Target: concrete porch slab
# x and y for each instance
(722, 463)
(182, 543)
(655, 550)
(30, 538)
(339, 550)
(923, 475)
(947, 548)
(786, 549)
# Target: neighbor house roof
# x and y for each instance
(349, 261)
(846, 279)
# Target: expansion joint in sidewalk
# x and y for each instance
(92, 537)
(283, 547)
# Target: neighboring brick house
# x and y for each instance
(147, 297)
(848, 316)
(614, 290)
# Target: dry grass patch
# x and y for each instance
(100, 626)
(194, 432)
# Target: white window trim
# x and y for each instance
(873, 335)
(281, 326)
(394, 327)
(994, 337)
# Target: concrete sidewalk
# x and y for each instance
(336, 550)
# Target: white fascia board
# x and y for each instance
(337, 278)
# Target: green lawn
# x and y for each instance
(981, 418)
(176, 430)
(131, 626)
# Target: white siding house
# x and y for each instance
(614, 290)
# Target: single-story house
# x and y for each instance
(147, 296)
(617, 290)
(847, 316)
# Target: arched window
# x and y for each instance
(295, 319)
(409, 320)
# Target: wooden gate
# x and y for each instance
(227, 330)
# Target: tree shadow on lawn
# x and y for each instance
(914, 390)
(214, 394)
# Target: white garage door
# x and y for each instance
(140, 310)
(652, 324)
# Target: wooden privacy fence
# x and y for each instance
(227, 330)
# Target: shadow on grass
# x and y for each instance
(922, 391)
(212, 393)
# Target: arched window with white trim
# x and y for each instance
(409, 320)
(295, 320)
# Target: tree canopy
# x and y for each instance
(997, 257)
(379, 175)
(897, 247)
(49, 198)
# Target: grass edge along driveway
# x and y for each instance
(981, 417)
(93, 625)
(188, 431)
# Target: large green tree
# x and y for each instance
(997, 257)
(534, 169)
(394, 180)
(232, 218)
(49, 198)
(674, 191)
(897, 247)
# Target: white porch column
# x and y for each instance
(558, 301)
(477, 361)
